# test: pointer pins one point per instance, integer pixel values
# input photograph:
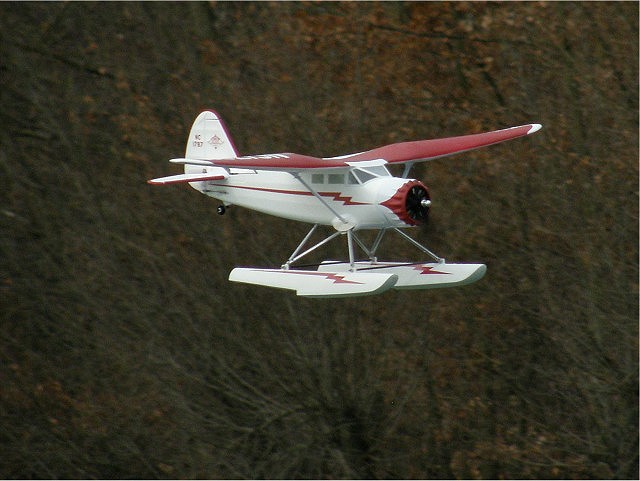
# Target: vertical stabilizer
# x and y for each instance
(209, 139)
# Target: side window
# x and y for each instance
(317, 178)
(352, 179)
(336, 178)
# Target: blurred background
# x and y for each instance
(126, 353)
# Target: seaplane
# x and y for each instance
(349, 193)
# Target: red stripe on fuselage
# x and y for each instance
(336, 196)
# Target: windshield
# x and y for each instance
(365, 174)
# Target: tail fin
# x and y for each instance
(209, 139)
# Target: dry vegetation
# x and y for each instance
(124, 351)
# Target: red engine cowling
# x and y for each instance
(410, 203)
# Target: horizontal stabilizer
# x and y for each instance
(205, 163)
(317, 284)
(213, 174)
(417, 276)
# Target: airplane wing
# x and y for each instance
(422, 150)
(399, 153)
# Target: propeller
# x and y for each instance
(411, 202)
(418, 203)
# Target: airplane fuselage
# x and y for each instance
(362, 198)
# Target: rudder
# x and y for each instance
(209, 139)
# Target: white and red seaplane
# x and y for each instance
(349, 192)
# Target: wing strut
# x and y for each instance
(407, 169)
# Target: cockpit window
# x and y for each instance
(378, 170)
(365, 174)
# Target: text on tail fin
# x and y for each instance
(209, 139)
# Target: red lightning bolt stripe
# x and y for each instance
(336, 278)
(429, 270)
(337, 196)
